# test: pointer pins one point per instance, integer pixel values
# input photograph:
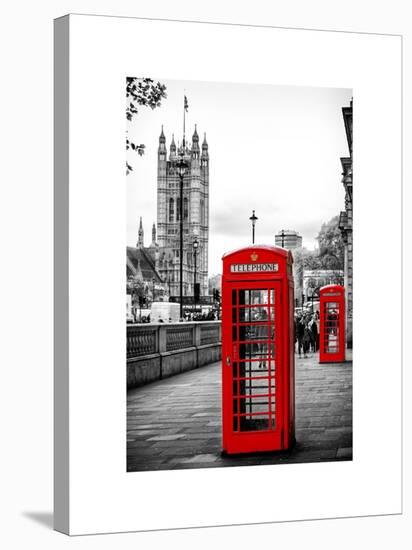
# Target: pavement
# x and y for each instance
(175, 423)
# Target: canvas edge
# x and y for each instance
(61, 274)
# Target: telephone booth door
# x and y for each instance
(252, 368)
(332, 324)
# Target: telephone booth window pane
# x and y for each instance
(256, 367)
(272, 296)
(249, 333)
(254, 385)
(261, 390)
(256, 350)
(254, 406)
(253, 423)
(258, 296)
(253, 314)
(331, 334)
(253, 296)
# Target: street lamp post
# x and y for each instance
(153, 289)
(283, 238)
(181, 166)
(195, 247)
(253, 219)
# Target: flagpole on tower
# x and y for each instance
(185, 109)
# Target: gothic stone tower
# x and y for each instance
(195, 213)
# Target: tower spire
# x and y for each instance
(173, 147)
(162, 142)
(205, 148)
(154, 234)
(195, 144)
(140, 242)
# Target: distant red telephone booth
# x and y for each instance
(332, 324)
(258, 369)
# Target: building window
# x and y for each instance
(171, 210)
(202, 212)
(178, 210)
(185, 209)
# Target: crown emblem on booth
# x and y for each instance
(254, 256)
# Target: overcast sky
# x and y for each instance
(275, 149)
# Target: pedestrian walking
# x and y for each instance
(314, 333)
(300, 329)
(307, 337)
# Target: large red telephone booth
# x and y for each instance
(332, 324)
(258, 387)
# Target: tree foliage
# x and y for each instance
(141, 92)
(331, 246)
(304, 259)
(136, 287)
(329, 255)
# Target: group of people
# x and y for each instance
(307, 333)
(197, 316)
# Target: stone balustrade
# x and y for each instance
(159, 350)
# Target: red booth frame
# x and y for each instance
(332, 293)
(283, 435)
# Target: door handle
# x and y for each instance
(228, 360)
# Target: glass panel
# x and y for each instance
(253, 314)
(251, 388)
(256, 405)
(256, 332)
(254, 423)
(331, 336)
(253, 296)
(253, 384)
(263, 349)
(256, 368)
(272, 296)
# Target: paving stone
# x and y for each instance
(200, 458)
(166, 437)
(176, 422)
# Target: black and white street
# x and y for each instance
(175, 423)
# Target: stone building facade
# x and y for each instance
(166, 250)
(142, 277)
(346, 222)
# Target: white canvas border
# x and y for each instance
(103, 497)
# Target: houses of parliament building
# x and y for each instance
(160, 261)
